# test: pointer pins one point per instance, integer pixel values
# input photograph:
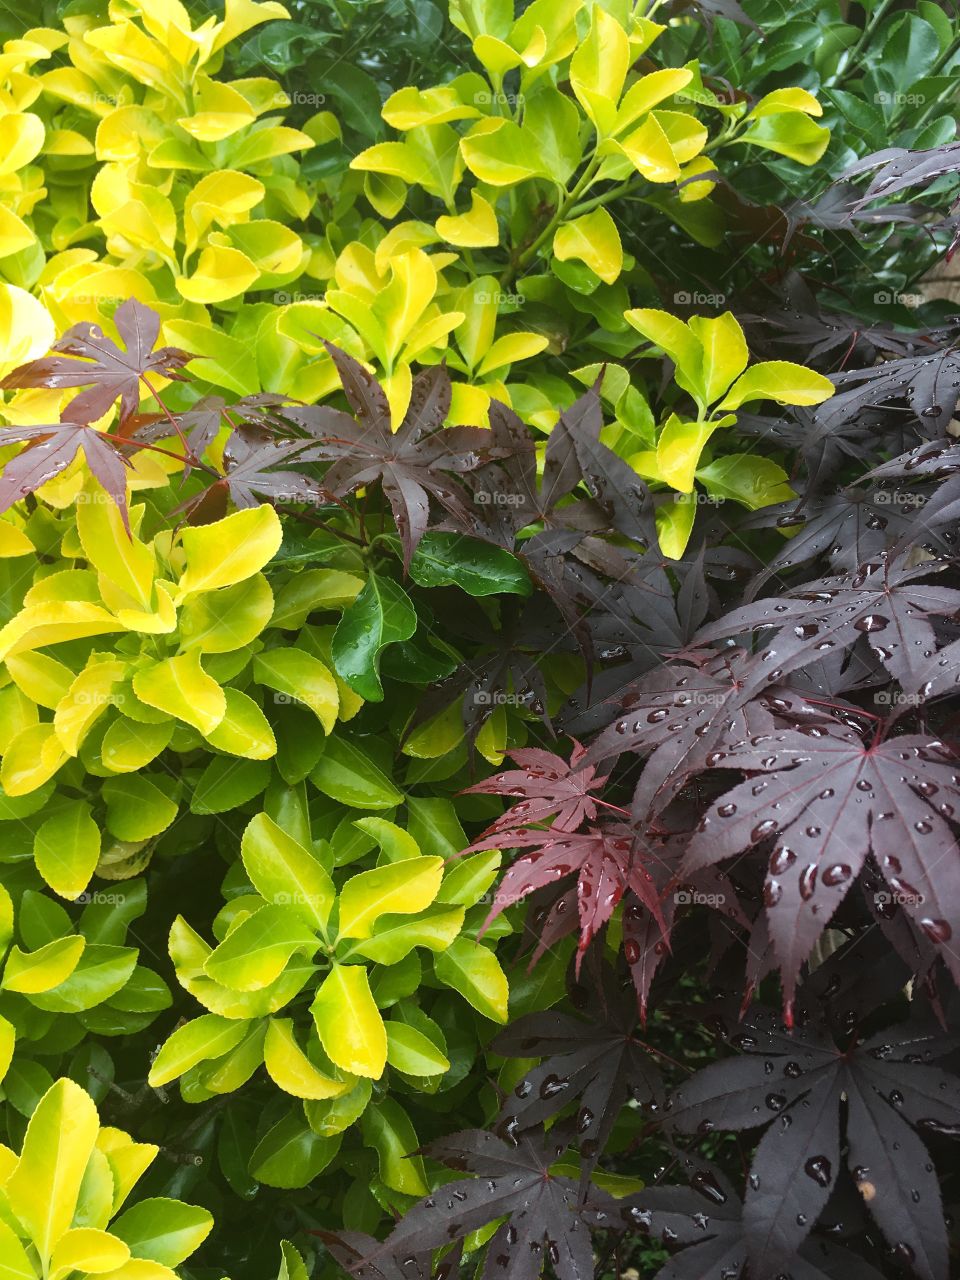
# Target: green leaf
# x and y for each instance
(291, 1154)
(779, 380)
(336, 1114)
(14, 1263)
(43, 1189)
(348, 1022)
(204, 1038)
(381, 615)
(227, 783)
(480, 569)
(398, 888)
(299, 677)
(675, 524)
(290, 1068)
(593, 239)
(469, 878)
(599, 67)
(387, 1128)
(285, 873)
(676, 340)
(433, 823)
(256, 952)
(162, 1230)
(347, 774)
(99, 974)
(790, 134)
(475, 972)
(66, 849)
(136, 809)
(409, 1050)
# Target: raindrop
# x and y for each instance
(819, 1169)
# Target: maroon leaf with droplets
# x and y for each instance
(798, 1085)
(50, 450)
(824, 799)
(551, 787)
(543, 1211)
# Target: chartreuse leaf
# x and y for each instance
(230, 551)
(283, 872)
(725, 353)
(348, 1022)
(125, 561)
(745, 478)
(204, 1038)
(469, 878)
(228, 619)
(388, 1129)
(679, 449)
(676, 340)
(8, 1040)
(380, 615)
(399, 888)
(599, 67)
(336, 1114)
(162, 1230)
(244, 730)
(292, 1266)
(256, 952)
(779, 380)
(476, 229)
(136, 808)
(299, 677)
(14, 1263)
(290, 1068)
(43, 1189)
(66, 849)
(395, 843)
(475, 972)
(675, 524)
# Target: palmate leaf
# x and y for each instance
(824, 798)
(51, 449)
(422, 459)
(607, 862)
(549, 787)
(544, 1212)
(598, 1064)
(87, 358)
(883, 604)
(795, 1083)
(705, 1223)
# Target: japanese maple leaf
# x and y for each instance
(607, 862)
(88, 358)
(352, 1249)
(801, 1086)
(825, 798)
(255, 466)
(422, 459)
(543, 1211)
(600, 1064)
(50, 450)
(550, 787)
(705, 1224)
(884, 604)
(677, 714)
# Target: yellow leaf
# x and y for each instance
(44, 1188)
(348, 1022)
(32, 972)
(89, 1250)
(221, 273)
(13, 541)
(292, 1071)
(32, 757)
(593, 239)
(180, 687)
(88, 697)
(599, 67)
(230, 551)
(477, 229)
(26, 328)
(21, 139)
